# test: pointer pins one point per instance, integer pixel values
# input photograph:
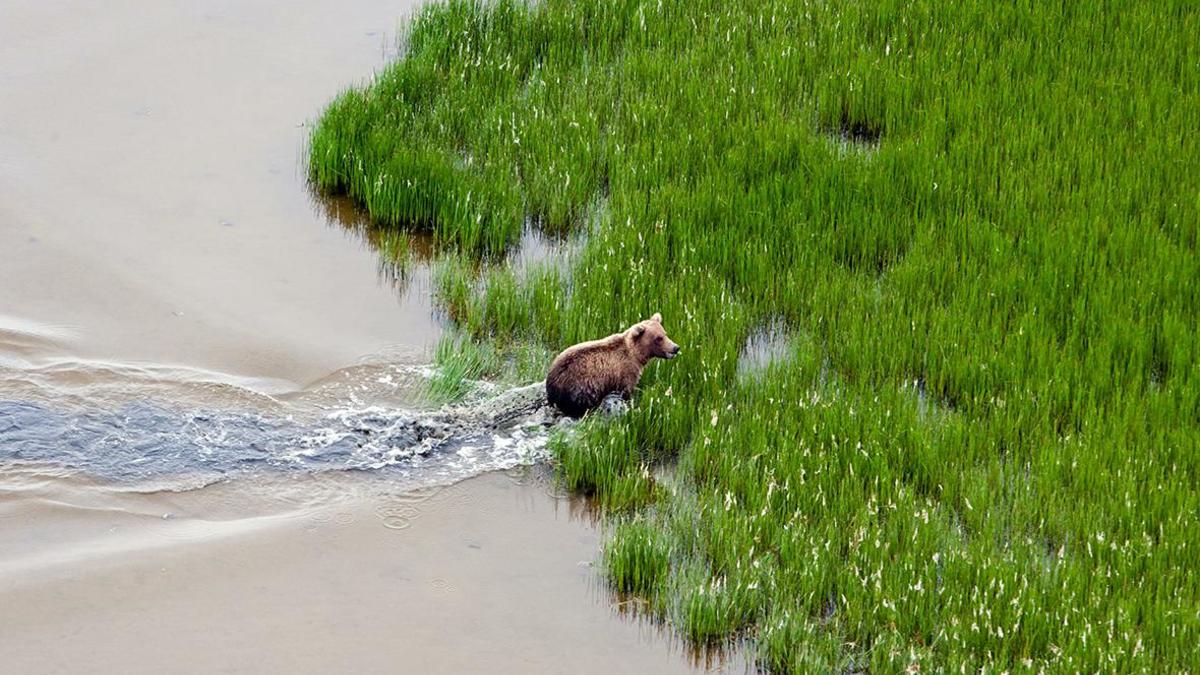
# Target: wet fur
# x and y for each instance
(583, 375)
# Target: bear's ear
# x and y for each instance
(657, 318)
(638, 330)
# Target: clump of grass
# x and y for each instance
(637, 558)
(459, 364)
(620, 480)
(710, 609)
(793, 642)
(1020, 240)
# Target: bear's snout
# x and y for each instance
(673, 351)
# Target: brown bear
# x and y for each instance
(583, 375)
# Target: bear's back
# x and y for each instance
(582, 375)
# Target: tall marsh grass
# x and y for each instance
(977, 224)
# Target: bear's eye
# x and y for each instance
(658, 339)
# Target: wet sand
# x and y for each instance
(490, 576)
(157, 239)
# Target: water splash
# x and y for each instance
(148, 440)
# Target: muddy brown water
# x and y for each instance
(152, 193)
(493, 575)
(157, 239)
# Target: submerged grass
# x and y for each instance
(462, 364)
(977, 224)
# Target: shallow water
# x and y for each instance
(317, 574)
(152, 193)
(346, 424)
(768, 344)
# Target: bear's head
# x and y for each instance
(648, 340)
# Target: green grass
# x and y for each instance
(461, 364)
(977, 224)
(638, 558)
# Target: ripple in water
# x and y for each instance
(145, 440)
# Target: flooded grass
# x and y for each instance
(465, 367)
(400, 249)
(766, 346)
(990, 311)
